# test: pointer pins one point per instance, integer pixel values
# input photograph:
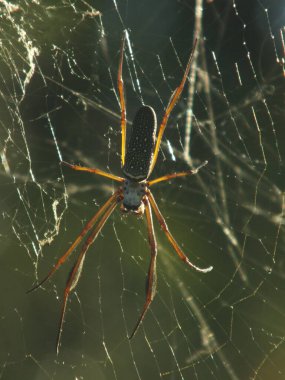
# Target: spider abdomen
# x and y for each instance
(141, 144)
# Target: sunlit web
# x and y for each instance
(58, 68)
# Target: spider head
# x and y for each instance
(137, 210)
(133, 193)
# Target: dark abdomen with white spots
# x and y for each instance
(141, 145)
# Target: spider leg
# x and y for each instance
(77, 268)
(94, 171)
(122, 101)
(171, 239)
(110, 202)
(175, 175)
(172, 101)
(151, 277)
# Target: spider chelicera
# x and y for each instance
(134, 194)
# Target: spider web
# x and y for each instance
(58, 68)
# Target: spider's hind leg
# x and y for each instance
(172, 101)
(122, 101)
(176, 175)
(94, 171)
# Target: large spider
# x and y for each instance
(134, 194)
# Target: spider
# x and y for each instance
(134, 194)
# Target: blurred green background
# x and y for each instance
(58, 71)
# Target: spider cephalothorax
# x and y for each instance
(134, 194)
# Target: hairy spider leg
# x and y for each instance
(94, 171)
(175, 175)
(151, 277)
(110, 202)
(171, 239)
(172, 101)
(122, 101)
(77, 268)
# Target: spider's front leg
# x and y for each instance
(88, 226)
(151, 277)
(78, 266)
(170, 238)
